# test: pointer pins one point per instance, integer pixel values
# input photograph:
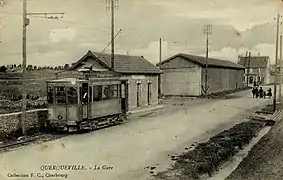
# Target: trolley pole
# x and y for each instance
(24, 95)
(276, 62)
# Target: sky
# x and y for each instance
(237, 26)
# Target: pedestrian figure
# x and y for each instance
(256, 92)
(253, 92)
(264, 94)
(260, 92)
(269, 93)
(254, 84)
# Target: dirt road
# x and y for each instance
(127, 149)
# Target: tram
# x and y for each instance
(82, 104)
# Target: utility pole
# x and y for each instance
(160, 59)
(112, 7)
(26, 22)
(248, 71)
(2, 3)
(276, 62)
(280, 69)
(160, 52)
(245, 65)
(207, 31)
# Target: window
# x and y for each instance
(97, 93)
(50, 92)
(60, 95)
(115, 89)
(72, 95)
(106, 92)
(110, 92)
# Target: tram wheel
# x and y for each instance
(93, 126)
(79, 130)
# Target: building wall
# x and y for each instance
(185, 81)
(143, 79)
(262, 72)
(221, 79)
(180, 77)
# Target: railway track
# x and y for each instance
(31, 140)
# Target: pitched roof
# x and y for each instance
(211, 62)
(123, 63)
(255, 62)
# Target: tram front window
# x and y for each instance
(72, 95)
(60, 95)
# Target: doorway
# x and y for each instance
(84, 100)
(124, 96)
(149, 93)
(139, 94)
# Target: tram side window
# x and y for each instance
(60, 95)
(114, 89)
(50, 93)
(110, 92)
(97, 93)
(72, 95)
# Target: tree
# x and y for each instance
(67, 66)
(29, 67)
(3, 69)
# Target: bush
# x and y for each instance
(209, 156)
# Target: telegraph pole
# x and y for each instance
(245, 65)
(249, 63)
(207, 31)
(160, 59)
(112, 8)
(26, 22)
(160, 52)
(280, 69)
(2, 3)
(112, 34)
(276, 62)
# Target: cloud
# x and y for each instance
(58, 35)
(143, 23)
(152, 51)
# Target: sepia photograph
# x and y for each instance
(141, 89)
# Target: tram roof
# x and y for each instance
(67, 80)
(83, 80)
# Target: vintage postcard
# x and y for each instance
(141, 89)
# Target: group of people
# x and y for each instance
(261, 93)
